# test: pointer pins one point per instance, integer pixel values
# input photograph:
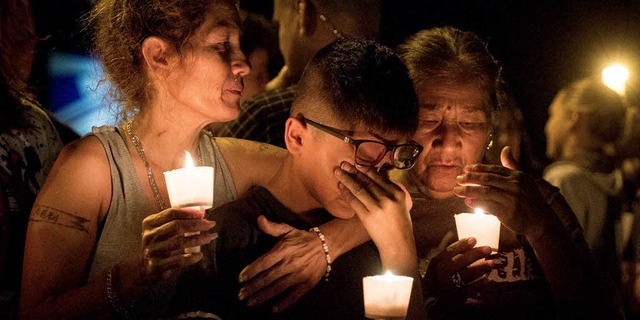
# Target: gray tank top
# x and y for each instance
(121, 234)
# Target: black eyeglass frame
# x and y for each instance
(356, 143)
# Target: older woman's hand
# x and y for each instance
(458, 272)
(166, 235)
(510, 195)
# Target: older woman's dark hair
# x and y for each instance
(451, 56)
(119, 28)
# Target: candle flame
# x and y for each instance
(188, 162)
(479, 211)
(388, 273)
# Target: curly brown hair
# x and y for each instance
(120, 26)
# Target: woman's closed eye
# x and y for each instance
(221, 47)
(472, 125)
(429, 123)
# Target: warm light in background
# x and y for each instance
(615, 77)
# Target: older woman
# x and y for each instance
(542, 267)
(102, 240)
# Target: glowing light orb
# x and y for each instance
(615, 77)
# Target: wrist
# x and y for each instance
(325, 249)
(344, 235)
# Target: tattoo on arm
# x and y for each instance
(61, 218)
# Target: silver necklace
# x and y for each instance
(152, 181)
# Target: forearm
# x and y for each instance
(402, 260)
(86, 302)
(95, 300)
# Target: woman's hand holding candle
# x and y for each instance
(190, 187)
(510, 195)
(163, 241)
(463, 258)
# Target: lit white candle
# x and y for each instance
(190, 187)
(484, 227)
(386, 296)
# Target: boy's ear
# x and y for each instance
(158, 55)
(295, 133)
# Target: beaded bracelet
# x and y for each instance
(325, 248)
(113, 297)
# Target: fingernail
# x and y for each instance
(212, 236)
(252, 303)
(241, 294)
(242, 276)
(471, 241)
(275, 309)
(211, 223)
(460, 177)
(346, 166)
(490, 263)
(486, 250)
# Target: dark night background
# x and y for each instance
(542, 45)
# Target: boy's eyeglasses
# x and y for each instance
(369, 153)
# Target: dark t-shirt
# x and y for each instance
(212, 284)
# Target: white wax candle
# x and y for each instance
(190, 187)
(484, 227)
(386, 296)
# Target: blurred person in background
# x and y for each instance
(259, 42)
(586, 120)
(29, 145)
(304, 27)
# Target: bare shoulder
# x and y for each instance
(80, 180)
(250, 162)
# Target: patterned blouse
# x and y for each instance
(26, 157)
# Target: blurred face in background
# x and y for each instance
(555, 130)
(256, 81)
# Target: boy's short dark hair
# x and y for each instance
(358, 81)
